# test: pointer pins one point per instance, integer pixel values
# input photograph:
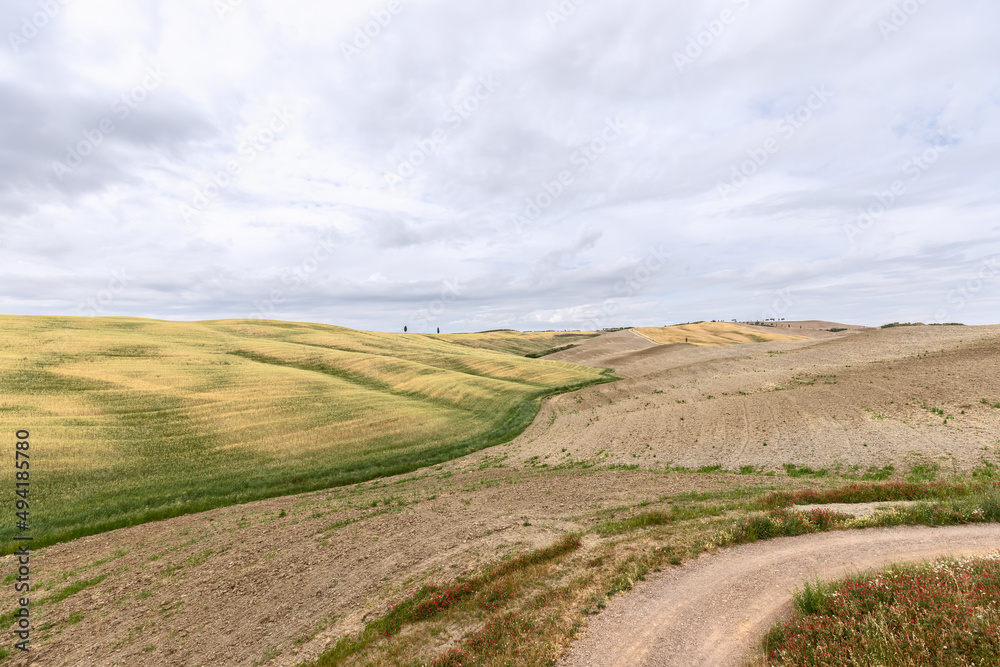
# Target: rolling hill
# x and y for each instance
(711, 333)
(134, 419)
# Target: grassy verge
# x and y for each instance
(868, 493)
(483, 593)
(529, 615)
(942, 614)
(552, 350)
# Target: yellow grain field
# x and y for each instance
(711, 333)
(135, 419)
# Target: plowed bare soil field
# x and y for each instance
(902, 396)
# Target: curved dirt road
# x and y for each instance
(712, 611)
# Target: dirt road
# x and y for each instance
(713, 611)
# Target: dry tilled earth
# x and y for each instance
(277, 582)
(280, 581)
(902, 396)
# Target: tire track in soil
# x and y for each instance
(713, 611)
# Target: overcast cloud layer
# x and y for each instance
(529, 164)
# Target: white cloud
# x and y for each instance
(320, 186)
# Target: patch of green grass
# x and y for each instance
(812, 598)
(793, 470)
(877, 474)
(192, 561)
(630, 571)
(72, 589)
(642, 520)
(269, 654)
(985, 471)
(923, 472)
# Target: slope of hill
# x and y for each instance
(712, 333)
(133, 419)
(521, 343)
(908, 396)
(807, 328)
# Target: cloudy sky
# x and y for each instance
(530, 164)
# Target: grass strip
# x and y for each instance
(73, 588)
(551, 350)
(870, 493)
(656, 518)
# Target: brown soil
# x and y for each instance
(809, 328)
(864, 399)
(715, 611)
(220, 587)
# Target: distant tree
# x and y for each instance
(439, 329)
(404, 328)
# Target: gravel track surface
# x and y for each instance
(715, 610)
